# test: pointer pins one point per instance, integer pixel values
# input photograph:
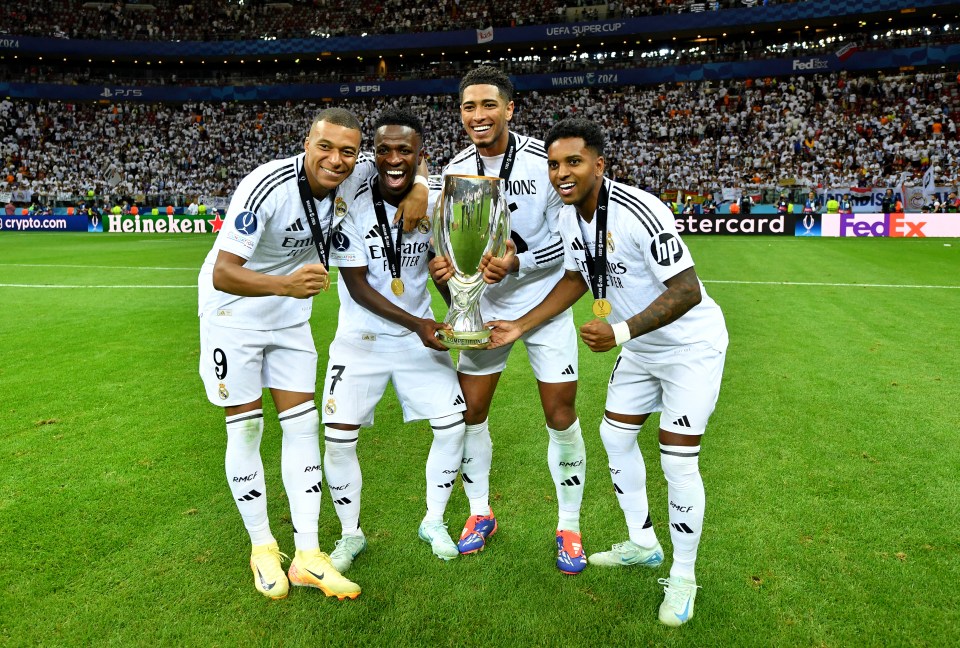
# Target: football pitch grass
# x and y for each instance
(830, 465)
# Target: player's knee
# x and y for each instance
(475, 416)
(451, 425)
(618, 438)
(245, 430)
(339, 444)
(681, 464)
(560, 416)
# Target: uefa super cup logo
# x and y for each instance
(471, 218)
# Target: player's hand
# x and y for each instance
(441, 269)
(413, 208)
(494, 269)
(427, 332)
(307, 281)
(598, 335)
(503, 332)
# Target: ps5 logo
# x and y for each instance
(121, 92)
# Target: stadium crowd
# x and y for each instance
(209, 20)
(373, 69)
(831, 130)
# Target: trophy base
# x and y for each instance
(464, 339)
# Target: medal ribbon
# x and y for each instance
(321, 242)
(394, 252)
(508, 159)
(598, 275)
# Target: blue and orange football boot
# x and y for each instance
(475, 533)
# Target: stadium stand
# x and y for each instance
(838, 129)
(833, 130)
(210, 20)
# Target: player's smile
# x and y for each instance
(331, 154)
(397, 152)
(485, 116)
(576, 173)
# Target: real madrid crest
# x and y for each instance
(224, 394)
(610, 245)
(340, 207)
(331, 406)
(423, 226)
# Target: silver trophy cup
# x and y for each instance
(471, 218)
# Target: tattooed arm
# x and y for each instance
(682, 294)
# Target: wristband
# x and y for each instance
(420, 180)
(621, 332)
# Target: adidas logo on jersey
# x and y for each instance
(683, 421)
(577, 244)
(296, 227)
(568, 371)
(459, 400)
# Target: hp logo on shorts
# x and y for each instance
(246, 223)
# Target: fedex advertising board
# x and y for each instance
(891, 225)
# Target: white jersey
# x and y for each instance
(643, 251)
(357, 242)
(266, 225)
(533, 206)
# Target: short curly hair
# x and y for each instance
(488, 75)
(398, 117)
(588, 131)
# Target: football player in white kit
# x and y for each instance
(255, 298)
(622, 244)
(387, 333)
(518, 282)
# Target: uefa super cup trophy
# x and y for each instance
(471, 218)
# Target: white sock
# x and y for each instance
(475, 467)
(686, 503)
(567, 457)
(629, 475)
(443, 463)
(342, 468)
(302, 476)
(245, 473)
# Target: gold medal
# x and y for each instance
(325, 283)
(601, 308)
(397, 286)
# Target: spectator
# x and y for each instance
(709, 205)
(846, 204)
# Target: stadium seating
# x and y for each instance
(208, 20)
(833, 130)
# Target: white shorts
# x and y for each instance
(683, 384)
(424, 379)
(236, 364)
(551, 349)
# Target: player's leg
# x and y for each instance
(345, 481)
(427, 388)
(690, 391)
(230, 365)
(354, 382)
(290, 369)
(478, 372)
(631, 394)
(552, 351)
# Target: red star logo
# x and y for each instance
(216, 223)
